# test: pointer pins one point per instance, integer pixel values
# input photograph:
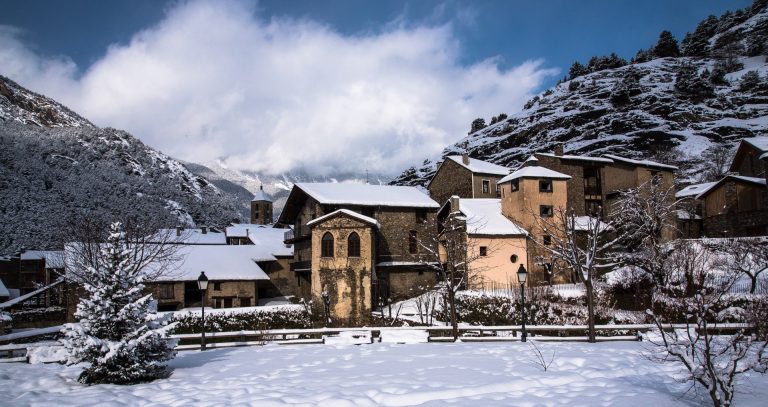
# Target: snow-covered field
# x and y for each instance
(461, 374)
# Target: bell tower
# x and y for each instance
(261, 208)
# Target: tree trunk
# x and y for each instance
(590, 310)
(753, 281)
(454, 322)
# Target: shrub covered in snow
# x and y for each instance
(288, 318)
(117, 335)
(5, 322)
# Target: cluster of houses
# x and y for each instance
(354, 246)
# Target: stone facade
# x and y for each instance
(735, 208)
(451, 179)
(283, 281)
(261, 212)
(346, 280)
(175, 295)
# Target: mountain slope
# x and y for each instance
(662, 109)
(55, 165)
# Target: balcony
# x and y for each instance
(290, 237)
(301, 265)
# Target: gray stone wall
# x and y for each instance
(451, 179)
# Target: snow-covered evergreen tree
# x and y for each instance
(122, 339)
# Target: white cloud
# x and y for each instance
(214, 80)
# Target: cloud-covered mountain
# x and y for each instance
(55, 165)
(673, 109)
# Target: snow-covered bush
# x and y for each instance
(117, 334)
(288, 318)
(5, 322)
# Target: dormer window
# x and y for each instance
(545, 185)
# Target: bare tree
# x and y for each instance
(578, 244)
(748, 257)
(713, 360)
(644, 218)
(716, 160)
(151, 251)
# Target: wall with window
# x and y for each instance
(498, 266)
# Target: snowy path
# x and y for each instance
(605, 374)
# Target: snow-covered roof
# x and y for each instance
(760, 143)
(188, 236)
(271, 240)
(693, 190)
(220, 262)
(751, 180)
(22, 298)
(686, 215)
(764, 156)
(480, 166)
(348, 193)
(579, 157)
(260, 195)
(587, 222)
(534, 172)
(53, 258)
(353, 214)
(3, 291)
(484, 218)
(641, 163)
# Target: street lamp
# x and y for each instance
(522, 275)
(202, 285)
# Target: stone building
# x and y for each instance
(465, 177)
(261, 208)
(750, 158)
(496, 246)
(28, 270)
(398, 223)
(531, 196)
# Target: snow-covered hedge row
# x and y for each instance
(288, 318)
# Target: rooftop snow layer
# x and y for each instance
(753, 180)
(367, 195)
(479, 166)
(347, 212)
(271, 240)
(3, 291)
(260, 195)
(761, 143)
(579, 157)
(484, 218)
(693, 190)
(534, 172)
(53, 258)
(642, 163)
(220, 262)
(190, 236)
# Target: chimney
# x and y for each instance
(178, 230)
(465, 158)
(455, 204)
(532, 161)
(204, 229)
(559, 149)
(247, 232)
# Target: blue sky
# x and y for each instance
(431, 66)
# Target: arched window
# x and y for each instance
(327, 245)
(353, 245)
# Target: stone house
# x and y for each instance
(735, 206)
(750, 158)
(496, 246)
(391, 227)
(465, 177)
(530, 196)
(28, 270)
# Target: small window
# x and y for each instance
(515, 184)
(513, 258)
(545, 185)
(413, 242)
(486, 186)
(326, 249)
(483, 251)
(353, 245)
(245, 301)
(546, 211)
(547, 240)
(166, 292)
(498, 190)
(421, 216)
(216, 286)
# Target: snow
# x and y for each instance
(534, 172)
(260, 195)
(693, 190)
(269, 238)
(579, 157)
(761, 143)
(220, 262)
(53, 258)
(588, 222)
(348, 338)
(348, 193)
(380, 374)
(189, 236)
(484, 218)
(404, 336)
(753, 180)
(22, 298)
(3, 291)
(347, 212)
(642, 163)
(479, 166)
(685, 215)
(27, 333)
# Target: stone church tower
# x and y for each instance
(261, 208)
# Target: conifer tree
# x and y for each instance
(666, 46)
(119, 336)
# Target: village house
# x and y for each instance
(465, 177)
(495, 244)
(29, 270)
(734, 206)
(360, 244)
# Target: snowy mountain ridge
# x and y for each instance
(640, 111)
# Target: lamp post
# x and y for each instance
(202, 285)
(522, 275)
